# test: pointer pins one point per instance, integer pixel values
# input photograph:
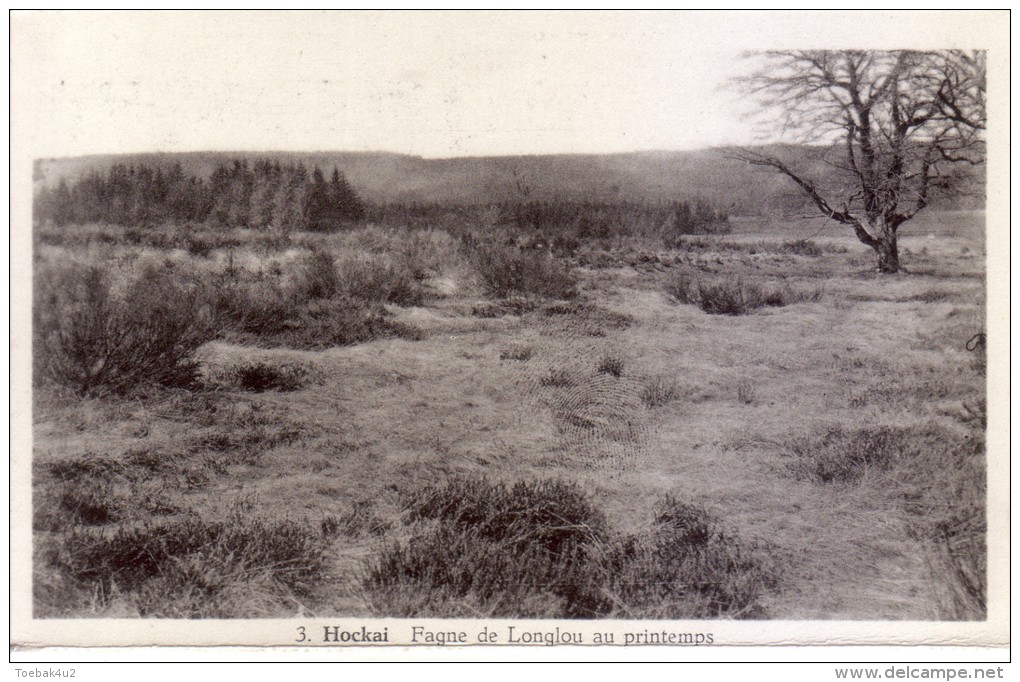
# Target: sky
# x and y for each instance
(435, 84)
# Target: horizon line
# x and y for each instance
(380, 152)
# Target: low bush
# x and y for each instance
(514, 305)
(521, 550)
(339, 322)
(92, 503)
(260, 376)
(508, 270)
(802, 247)
(202, 244)
(316, 277)
(590, 312)
(423, 253)
(686, 566)
(88, 490)
(96, 343)
(262, 312)
(799, 247)
(249, 306)
(246, 445)
(930, 296)
(378, 279)
(843, 455)
(541, 549)
(554, 514)
(683, 288)
(70, 504)
(725, 298)
(733, 297)
(192, 567)
(456, 572)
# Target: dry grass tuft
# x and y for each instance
(518, 352)
(844, 455)
(558, 377)
(659, 391)
(611, 364)
(746, 393)
(720, 296)
(360, 520)
(936, 475)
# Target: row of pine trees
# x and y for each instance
(266, 195)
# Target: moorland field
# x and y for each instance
(553, 410)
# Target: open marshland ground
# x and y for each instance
(398, 422)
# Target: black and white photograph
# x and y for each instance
(511, 328)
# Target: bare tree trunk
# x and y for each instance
(888, 252)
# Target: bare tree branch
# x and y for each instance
(901, 118)
(757, 159)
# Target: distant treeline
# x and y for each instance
(267, 194)
(286, 197)
(579, 219)
(601, 219)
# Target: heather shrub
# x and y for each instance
(719, 296)
(317, 277)
(508, 270)
(513, 305)
(247, 305)
(192, 567)
(558, 377)
(843, 455)
(378, 279)
(554, 514)
(262, 311)
(802, 247)
(89, 490)
(259, 376)
(85, 502)
(541, 549)
(687, 566)
(521, 550)
(359, 520)
(95, 342)
(338, 322)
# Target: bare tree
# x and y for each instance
(900, 124)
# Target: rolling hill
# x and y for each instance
(654, 176)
